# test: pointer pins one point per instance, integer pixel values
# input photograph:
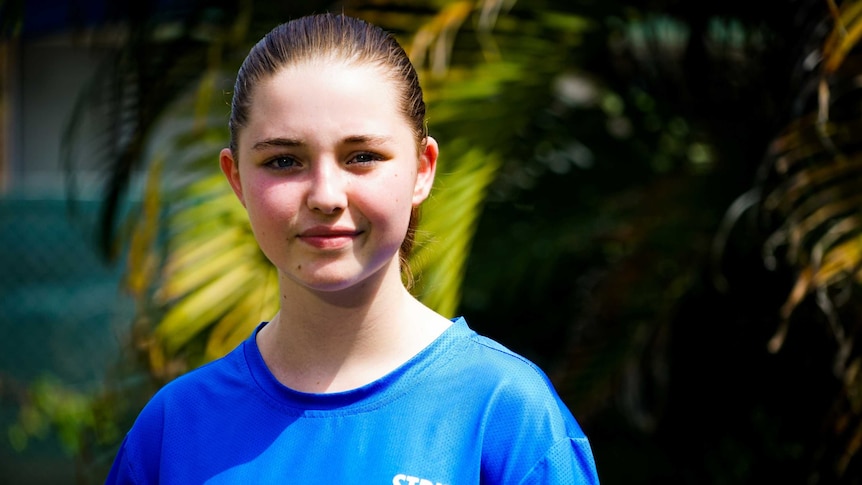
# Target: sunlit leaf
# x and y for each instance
(257, 305)
(199, 310)
(191, 277)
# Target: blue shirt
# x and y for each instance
(465, 410)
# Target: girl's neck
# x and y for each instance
(334, 342)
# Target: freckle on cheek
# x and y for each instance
(298, 267)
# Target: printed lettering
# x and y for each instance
(402, 479)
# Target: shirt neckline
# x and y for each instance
(361, 399)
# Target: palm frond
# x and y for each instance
(812, 179)
(816, 176)
(448, 225)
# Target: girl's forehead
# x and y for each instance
(311, 99)
(322, 83)
(331, 79)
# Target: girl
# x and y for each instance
(353, 381)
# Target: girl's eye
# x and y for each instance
(282, 162)
(364, 157)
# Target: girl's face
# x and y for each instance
(328, 171)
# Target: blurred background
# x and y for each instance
(658, 202)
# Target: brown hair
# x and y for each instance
(332, 37)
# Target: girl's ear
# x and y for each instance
(231, 171)
(426, 171)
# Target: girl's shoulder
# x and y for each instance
(502, 375)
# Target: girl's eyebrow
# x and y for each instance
(276, 142)
(292, 142)
(369, 139)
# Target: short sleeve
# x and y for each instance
(121, 473)
(568, 461)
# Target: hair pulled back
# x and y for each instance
(327, 37)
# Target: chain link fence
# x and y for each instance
(63, 317)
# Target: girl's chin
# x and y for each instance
(324, 279)
(334, 278)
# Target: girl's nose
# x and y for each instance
(327, 192)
